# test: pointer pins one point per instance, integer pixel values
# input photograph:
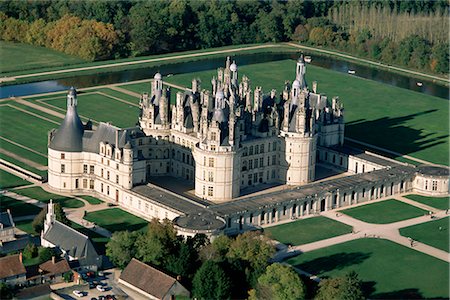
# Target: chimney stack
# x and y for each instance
(53, 259)
(20, 257)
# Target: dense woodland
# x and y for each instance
(406, 33)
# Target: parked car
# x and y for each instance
(101, 288)
(78, 293)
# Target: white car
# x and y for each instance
(78, 293)
(101, 288)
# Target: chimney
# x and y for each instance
(53, 259)
(20, 257)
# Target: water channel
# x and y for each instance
(428, 87)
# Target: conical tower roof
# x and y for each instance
(69, 136)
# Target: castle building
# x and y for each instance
(226, 139)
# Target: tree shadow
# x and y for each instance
(336, 261)
(401, 294)
(392, 134)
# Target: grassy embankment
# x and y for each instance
(393, 118)
(138, 62)
(388, 270)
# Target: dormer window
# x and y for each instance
(63, 155)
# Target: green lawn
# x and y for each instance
(91, 200)
(383, 212)
(102, 108)
(40, 159)
(115, 219)
(39, 194)
(429, 233)
(8, 180)
(436, 202)
(307, 230)
(26, 226)
(23, 165)
(142, 87)
(18, 57)
(394, 118)
(25, 129)
(388, 270)
(18, 208)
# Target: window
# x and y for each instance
(107, 175)
(117, 178)
(210, 191)
(84, 183)
(63, 168)
(101, 173)
(261, 148)
(211, 161)
(261, 162)
(213, 136)
(76, 183)
(213, 147)
(107, 189)
(274, 147)
(274, 159)
(117, 166)
(91, 184)
(203, 190)
(101, 187)
(256, 163)
(256, 149)
(250, 164)
(211, 176)
(63, 155)
(426, 183)
(204, 160)
(341, 161)
(85, 169)
(434, 185)
(250, 151)
(140, 142)
(91, 169)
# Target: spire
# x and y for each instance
(69, 135)
(301, 71)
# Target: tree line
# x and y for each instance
(228, 267)
(408, 33)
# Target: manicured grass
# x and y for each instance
(8, 180)
(429, 233)
(18, 208)
(26, 226)
(25, 129)
(436, 202)
(39, 194)
(414, 123)
(115, 219)
(142, 87)
(389, 270)
(384, 212)
(23, 165)
(102, 108)
(91, 200)
(24, 153)
(18, 57)
(307, 230)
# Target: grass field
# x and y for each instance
(101, 107)
(8, 180)
(115, 219)
(414, 124)
(91, 200)
(18, 57)
(307, 230)
(23, 165)
(433, 233)
(18, 208)
(26, 226)
(39, 194)
(383, 212)
(436, 202)
(388, 270)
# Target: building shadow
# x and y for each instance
(392, 134)
(336, 261)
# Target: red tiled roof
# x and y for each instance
(60, 266)
(11, 266)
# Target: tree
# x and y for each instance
(300, 34)
(279, 282)
(6, 291)
(38, 222)
(347, 287)
(121, 247)
(30, 251)
(440, 58)
(217, 250)
(46, 254)
(211, 282)
(316, 36)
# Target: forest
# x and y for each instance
(413, 34)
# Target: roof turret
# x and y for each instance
(69, 136)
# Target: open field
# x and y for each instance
(436, 202)
(8, 180)
(18, 208)
(91, 200)
(388, 270)
(307, 230)
(39, 194)
(383, 212)
(434, 233)
(115, 219)
(400, 120)
(20, 57)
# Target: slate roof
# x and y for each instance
(11, 266)
(69, 136)
(74, 243)
(147, 278)
(107, 133)
(6, 220)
